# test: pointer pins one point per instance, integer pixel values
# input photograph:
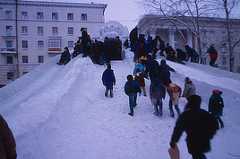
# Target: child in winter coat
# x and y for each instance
(175, 93)
(131, 89)
(216, 105)
(108, 79)
(138, 72)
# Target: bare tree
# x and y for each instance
(176, 10)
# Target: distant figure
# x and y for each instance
(189, 88)
(126, 44)
(164, 72)
(213, 54)
(170, 53)
(65, 57)
(158, 45)
(192, 54)
(7, 141)
(108, 79)
(200, 127)
(181, 56)
(216, 105)
(174, 93)
(157, 94)
(131, 89)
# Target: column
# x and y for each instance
(171, 34)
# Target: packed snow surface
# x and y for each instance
(60, 112)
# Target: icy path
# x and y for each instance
(64, 115)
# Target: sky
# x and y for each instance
(127, 12)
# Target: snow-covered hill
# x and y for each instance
(60, 112)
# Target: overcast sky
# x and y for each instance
(127, 12)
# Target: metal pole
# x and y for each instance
(16, 24)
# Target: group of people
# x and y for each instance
(200, 125)
(142, 46)
(100, 52)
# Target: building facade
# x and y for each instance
(33, 31)
(178, 34)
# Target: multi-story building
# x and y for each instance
(178, 34)
(33, 31)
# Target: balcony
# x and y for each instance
(8, 50)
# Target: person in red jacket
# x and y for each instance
(7, 141)
(213, 54)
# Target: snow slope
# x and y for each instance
(60, 112)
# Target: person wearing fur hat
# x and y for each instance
(215, 105)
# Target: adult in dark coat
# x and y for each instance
(7, 141)
(164, 72)
(192, 53)
(149, 45)
(108, 79)
(131, 89)
(86, 43)
(200, 127)
(158, 44)
(133, 36)
(213, 54)
(126, 44)
(216, 105)
(170, 53)
(65, 57)
(152, 68)
(181, 56)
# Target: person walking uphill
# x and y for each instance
(174, 93)
(189, 88)
(215, 106)
(108, 79)
(7, 141)
(200, 127)
(131, 89)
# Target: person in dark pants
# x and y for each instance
(174, 92)
(7, 141)
(213, 54)
(108, 79)
(131, 89)
(200, 127)
(215, 105)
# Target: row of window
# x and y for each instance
(10, 59)
(40, 15)
(40, 30)
(52, 43)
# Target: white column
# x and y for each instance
(171, 34)
(189, 38)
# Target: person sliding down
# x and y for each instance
(65, 57)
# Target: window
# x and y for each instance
(24, 59)
(9, 44)
(40, 15)
(70, 30)
(8, 14)
(70, 44)
(24, 30)
(55, 30)
(70, 16)
(54, 16)
(40, 44)
(10, 75)
(24, 15)
(9, 28)
(40, 59)
(84, 17)
(54, 43)
(24, 44)
(40, 30)
(9, 60)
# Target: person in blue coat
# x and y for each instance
(108, 79)
(131, 89)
